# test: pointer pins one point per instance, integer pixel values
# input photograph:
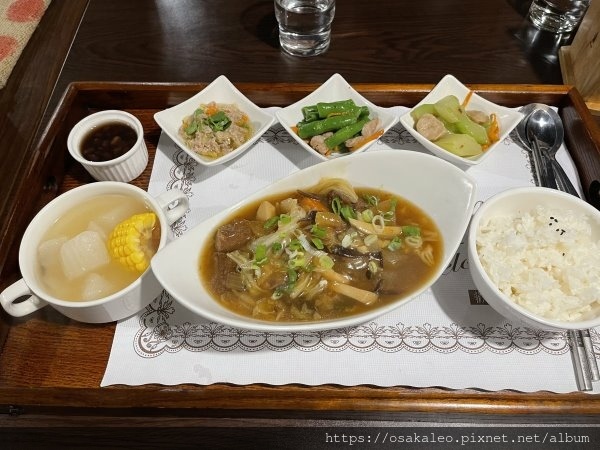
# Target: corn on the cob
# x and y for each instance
(129, 242)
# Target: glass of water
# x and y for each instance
(304, 25)
(557, 16)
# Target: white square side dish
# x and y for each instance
(334, 89)
(507, 119)
(221, 90)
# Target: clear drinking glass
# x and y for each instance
(557, 16)
(304, 25)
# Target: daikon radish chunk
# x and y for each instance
(95, 226)
(49, 252)
(108, 220)
(95, 286)
(82, 254)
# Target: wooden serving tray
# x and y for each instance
(51, 365)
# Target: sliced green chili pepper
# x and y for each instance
(310, 129)
(345, 133)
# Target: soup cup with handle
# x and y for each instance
(169, 207)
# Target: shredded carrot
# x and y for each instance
(467, 99)
(366, 139)
(294, 129)
(211, 109)
(494, 129)
(312, 204)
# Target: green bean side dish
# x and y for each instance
(341, 120)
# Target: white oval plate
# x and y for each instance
(443, 191)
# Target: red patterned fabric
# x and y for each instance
(18, 21)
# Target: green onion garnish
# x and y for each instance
(260, 254)
(318, 243)
(270, 223)
(372, 200)
(318, 231)
(411, 230)
(395, 244)
(336, 205)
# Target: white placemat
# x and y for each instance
(446, 337)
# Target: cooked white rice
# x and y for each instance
(545, 260)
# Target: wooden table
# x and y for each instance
(374, 44)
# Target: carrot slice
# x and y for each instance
(467, 99)
(312, 204)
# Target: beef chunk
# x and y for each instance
(233, 236)
(224, 266)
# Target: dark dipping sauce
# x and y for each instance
(108, 141)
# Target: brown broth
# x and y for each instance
(412, 272)
(108, 141)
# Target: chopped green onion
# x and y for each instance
(276, 246)
(260, 254)
(336, 205)
(297, 262)
(295, 244)
(347, 212)
(318, 231)
(367, 215)
(411, 230)
(373, 267)
(285, 218)
(292, 276)
(389, 215)
(378, 223)
(371, 239)
(326, 262)
(347, 239)
(318, 243)
(270, 223)
(372, 200)
(395, 244)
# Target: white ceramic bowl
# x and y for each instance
(126, 167)
(168, 206)
(522, 200)
(508, 119)
(446, 194)
(221, 90)
(334, 89)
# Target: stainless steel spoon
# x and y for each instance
(546, 126)
(539, 146)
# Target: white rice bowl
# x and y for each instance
(534, 254)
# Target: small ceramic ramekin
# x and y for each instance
(124, 168)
